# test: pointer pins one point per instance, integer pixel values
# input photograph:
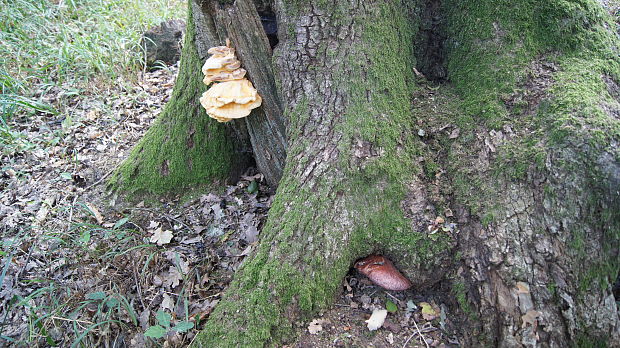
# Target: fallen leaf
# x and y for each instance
(376, 319)
(251, 234)
(161, 237)
(217, 211)
(390, 338)
(393, 327)
(41, 214)
(144, 319)
(193, 240)
(391, 306)
(253, 187)
(455, 133)
(173, 278)
(167, 303)
(428, 311)
(316, 325)
(346, 285)
(95, 212)
(411, 306)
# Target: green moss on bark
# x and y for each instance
(490, 44)
(184, 148)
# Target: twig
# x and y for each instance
(100, 180)
(30, 250)
(392, 296)
(75, 320)
(71, 213)
(135, 277)
(166, 216)
(341, 305)
(419, 333)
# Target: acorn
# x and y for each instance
(382, 272)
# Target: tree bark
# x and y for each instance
(239, 22)
(183, 149)
(518, 148)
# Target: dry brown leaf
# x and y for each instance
(96, 212)
(161, 237)
(167, 303)
(173, 278)
(316, 325)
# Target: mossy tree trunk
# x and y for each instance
(184, 148)
(517, 146)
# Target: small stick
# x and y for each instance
(75, 320)
(100, 180)
(71, 213)
(419, 332)
(392, 296)
(135, 277)
(167, 217)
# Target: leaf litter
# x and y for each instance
(366, 315)
(92, 273)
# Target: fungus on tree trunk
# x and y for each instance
(234, 96)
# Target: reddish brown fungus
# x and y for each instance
(382, 272)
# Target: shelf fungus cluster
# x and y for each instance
(382, 272)
(232, 95)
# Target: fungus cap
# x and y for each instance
(231, 99)
(382, 272)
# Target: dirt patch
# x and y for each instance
(414, 320)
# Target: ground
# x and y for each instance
(90, 269)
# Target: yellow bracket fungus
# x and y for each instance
(233, 96)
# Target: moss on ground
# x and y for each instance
(184, 148)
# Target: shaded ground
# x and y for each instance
(344, 325)
(81, 266)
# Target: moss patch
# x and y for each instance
(184, 148)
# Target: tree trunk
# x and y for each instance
(517, 146)
(183, 148)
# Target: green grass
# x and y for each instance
(73, 44)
